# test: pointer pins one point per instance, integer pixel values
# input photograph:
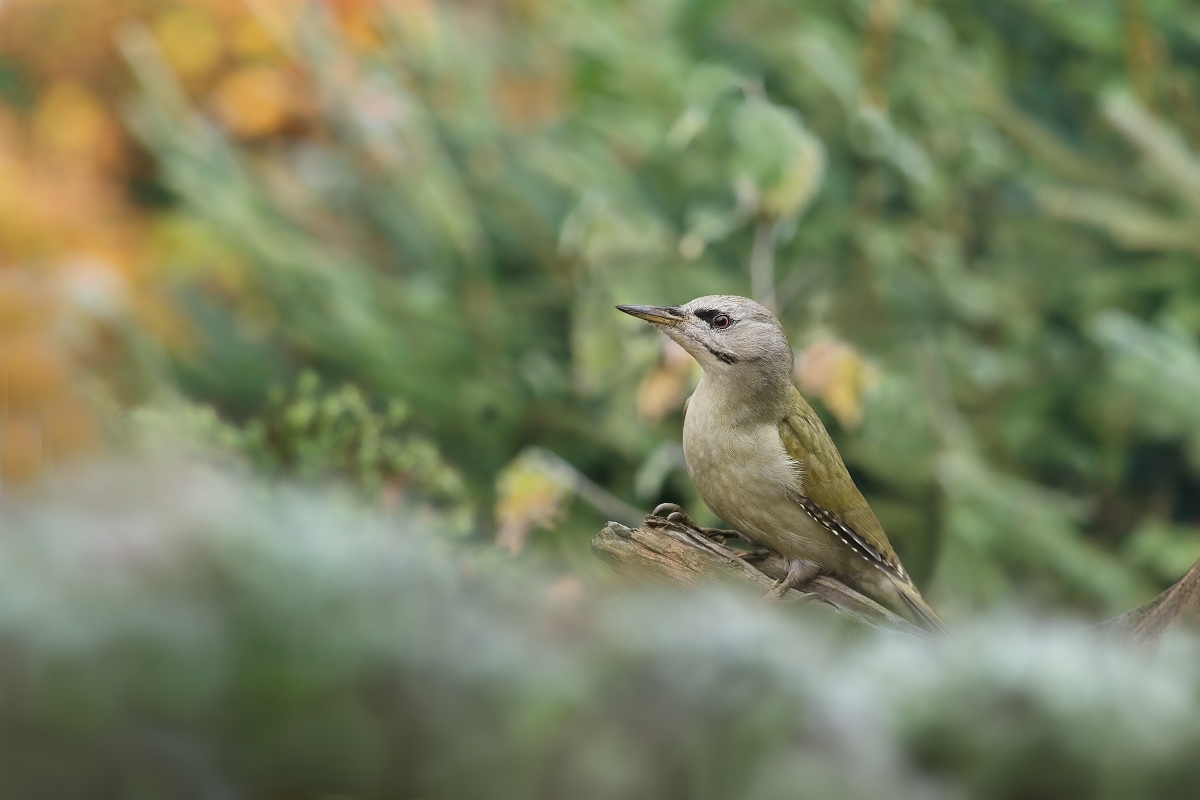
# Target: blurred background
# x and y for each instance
(372, 247)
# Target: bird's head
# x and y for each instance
(725, 333)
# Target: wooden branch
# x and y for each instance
(670, 552)
(1148, 623)
(675, 552)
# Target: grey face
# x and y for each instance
(725, 333)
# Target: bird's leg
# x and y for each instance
(799, 572)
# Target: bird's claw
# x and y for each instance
(681, 518)
(671, 513)
(664, 510)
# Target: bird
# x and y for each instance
(762, 461)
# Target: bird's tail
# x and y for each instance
(921, 614)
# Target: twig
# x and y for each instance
(588, 490)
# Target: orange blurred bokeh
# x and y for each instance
(78, 249)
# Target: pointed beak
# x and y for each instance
(659, 315)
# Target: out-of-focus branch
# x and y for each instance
(1128, 223)
(882, 16)
(588, 490)
(1147, 623)
(1141, 54)
(1159, 142)
(663, 551)
(1039, 141)
(762, 263)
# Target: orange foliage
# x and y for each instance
(75, 249)
(664, 390)
(529, 102)
(253, 101)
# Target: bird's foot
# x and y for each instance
(673, 513)
(721, 536)
(799, 572)
(757, 554)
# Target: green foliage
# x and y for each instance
(1166, 550)
(276, 641)
(314, 434)
(960, 190)
(1156, 369)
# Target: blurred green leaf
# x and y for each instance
(785, 162)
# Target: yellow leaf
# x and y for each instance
(189, 40)
(416, 20)
(838, 374)
(659, 393)
(799, 183)
(70, 123)
(529, 493)
(251, 40)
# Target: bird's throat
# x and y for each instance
(735, 399)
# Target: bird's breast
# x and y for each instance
(743, 473)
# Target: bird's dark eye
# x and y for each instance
(721, 321)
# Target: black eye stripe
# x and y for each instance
(714, 317)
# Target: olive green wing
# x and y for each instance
(825, 489)
(826, 492)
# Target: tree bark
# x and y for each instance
(1148, 623)
(669, 552)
